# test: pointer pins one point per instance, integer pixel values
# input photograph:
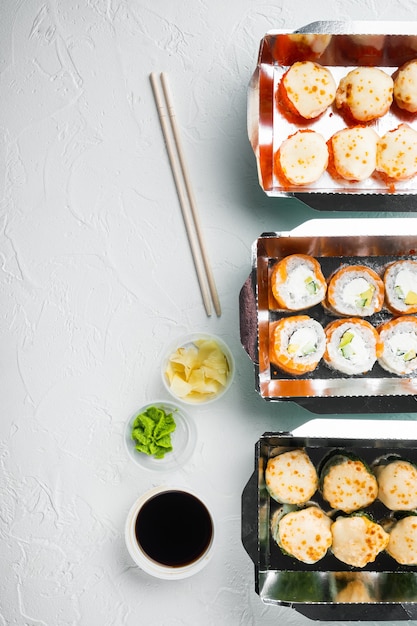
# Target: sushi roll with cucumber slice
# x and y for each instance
(302, 533)
(297, 282)
(397, 483)
(397, 345)
(357, 539)
(402, 545)
(347, 483)
(355, 290)
(400, 280)
(297, 344)
(291, 477)
(350, 345)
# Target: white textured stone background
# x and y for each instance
(96, 277)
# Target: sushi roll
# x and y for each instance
(397, 345)
(292, 47)
(365, 94)
(355, 290)
(302, 533)
(350, 346)
(402, 545)
(352, 153)
(301, 158)
(346, 482)
(306, 90)
(396, 155)
(296, 344)
(397, 483)
(291, 478)
(405, 87)
(400, 280)
(297, 282)
(357, 539)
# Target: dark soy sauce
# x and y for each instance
(174, 528)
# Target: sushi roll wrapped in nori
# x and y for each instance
(402, 545)
(357, 539)
(351, 345)
(347, 483)
(297, 282)
(291, 477)
(355, 291)
(400, 280)
(302, 533)
(397, 483)
(397, 346)
(296, 344)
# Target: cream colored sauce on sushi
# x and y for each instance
(310, 87)
(291, 477)
(358, 292)
(402, 544)
(302, 342)
(406, 286)
(397, 483)
(357, 540)
(305, 534)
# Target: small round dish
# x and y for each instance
(183, 440)
(215, 390)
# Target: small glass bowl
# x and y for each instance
(183, 439)
(188, 340)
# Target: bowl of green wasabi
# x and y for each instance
(160, 436)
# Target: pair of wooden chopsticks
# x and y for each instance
(190, 215)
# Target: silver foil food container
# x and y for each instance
(333, 243)
(347, 45)
(328, 590)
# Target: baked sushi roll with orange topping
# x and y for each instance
(365, 94)
(301, 158)
(357, 539)
(355, 291)
(402, 545)
(293, 47)
(405, 87)
(396, 155)
(351, 345)
(352, 153)
(400, 280)
(296, 344)
(306, 90)
(397, 346)
(347, 483)
(291, 478)
(302, 533)
(397, 483)
(297, 282)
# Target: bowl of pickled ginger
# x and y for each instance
(198, 368)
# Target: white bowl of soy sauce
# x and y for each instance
(170, 533)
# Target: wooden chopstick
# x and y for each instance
(193, 226)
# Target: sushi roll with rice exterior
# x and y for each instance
(396, 154)
(400, 280)
(302, 533)
(291, 478)
(296, 344)
(297, 282)
(397, 345)
(355, 290)
(357, 539)
(397, 483)
(365, 94)
(347, 483)
(350, 346)
(402, 545)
